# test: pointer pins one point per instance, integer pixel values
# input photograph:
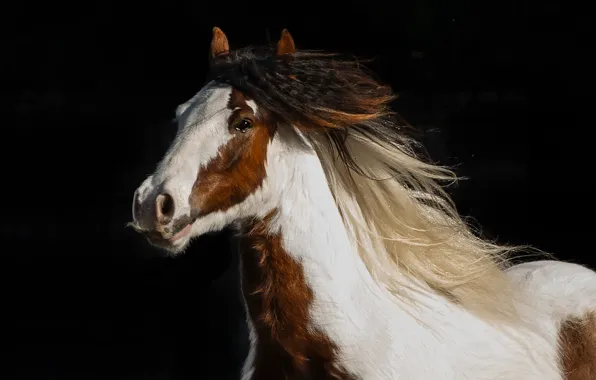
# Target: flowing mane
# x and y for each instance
(392, 201)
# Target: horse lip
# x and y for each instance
(180, 233)
(162, 238)
(179, 230)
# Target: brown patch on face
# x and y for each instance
(577, 338)
(278, 301)
(239, 168)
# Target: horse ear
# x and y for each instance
(285, 45)
(219, 43)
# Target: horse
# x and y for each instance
(354, 262)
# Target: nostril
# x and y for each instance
(164, 207)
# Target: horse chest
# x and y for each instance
(278, 301)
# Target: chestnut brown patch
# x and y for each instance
(577, 338)
(278, 301)
(239, 168)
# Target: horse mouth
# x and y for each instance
(172, 243)
(180, 234)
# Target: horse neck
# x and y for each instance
(312, 228)
(308, 292)
(304, 241)
(297, 268)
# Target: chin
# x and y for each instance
(171, 248)
(179, 246)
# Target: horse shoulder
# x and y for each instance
(564, 295)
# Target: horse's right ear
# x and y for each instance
(219, 43)
(285, 45)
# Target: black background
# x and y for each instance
(89, 88)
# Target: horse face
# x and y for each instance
(212, 174)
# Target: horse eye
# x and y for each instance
(244, 125)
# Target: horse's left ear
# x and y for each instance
(285, 45)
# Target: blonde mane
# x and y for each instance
(404, 223)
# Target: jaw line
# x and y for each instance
(212, 222)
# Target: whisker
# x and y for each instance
(135, 226)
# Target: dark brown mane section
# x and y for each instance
(320, 93)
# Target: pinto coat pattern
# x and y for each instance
(355, 263)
